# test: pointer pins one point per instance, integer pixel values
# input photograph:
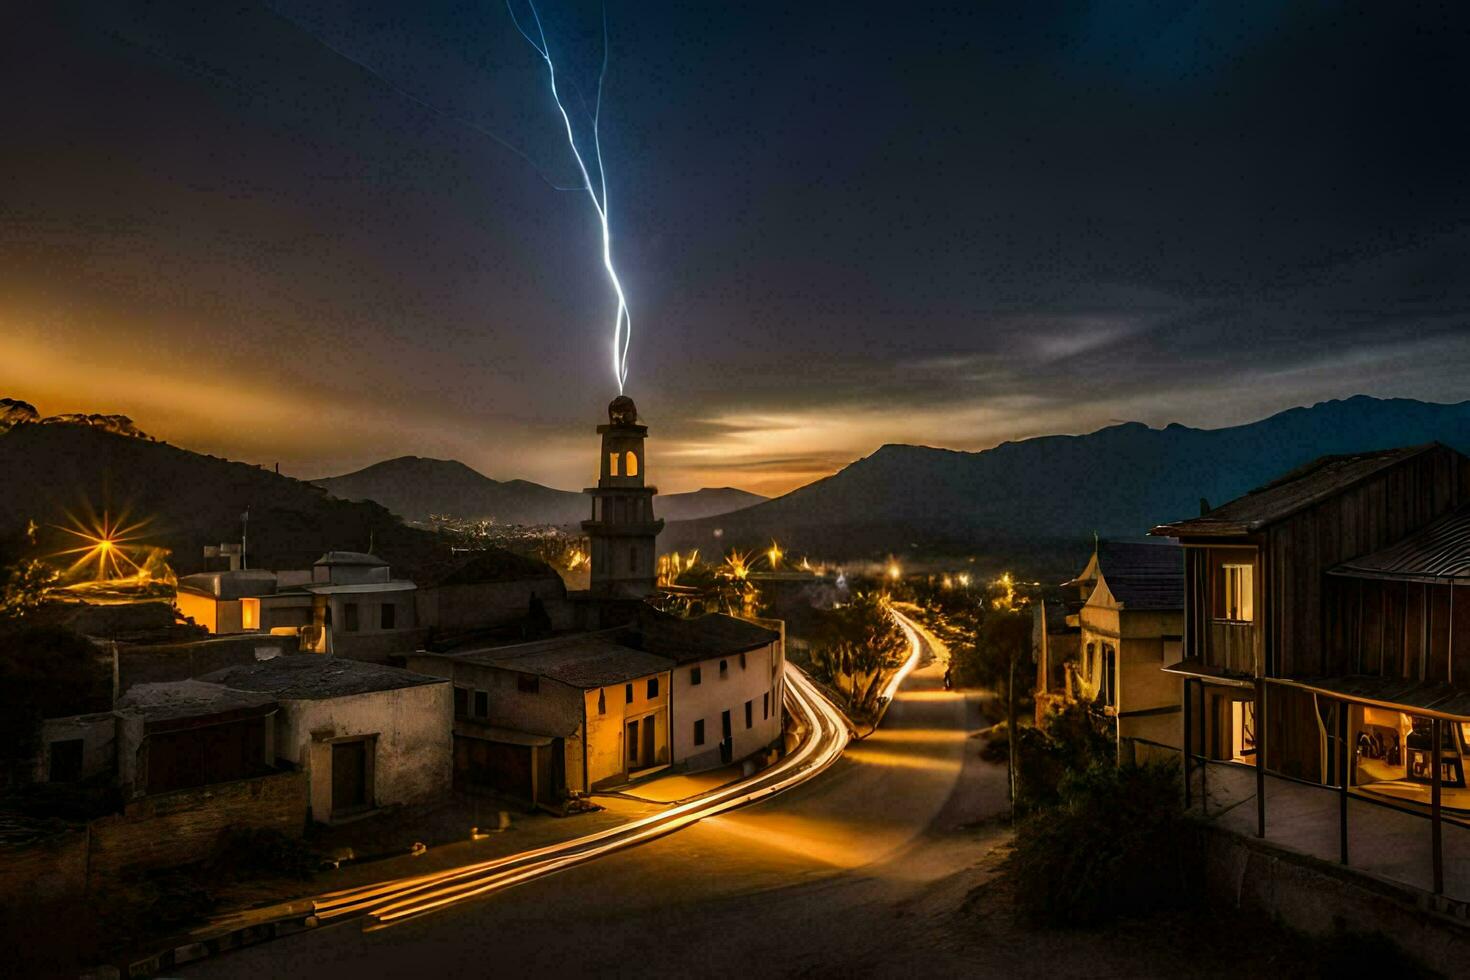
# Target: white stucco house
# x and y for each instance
(367, 735)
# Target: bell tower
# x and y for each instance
(622, 529)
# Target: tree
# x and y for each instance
(858, 645)
(25, 588)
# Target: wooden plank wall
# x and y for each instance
(1375, 513)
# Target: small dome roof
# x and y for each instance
(622, 411)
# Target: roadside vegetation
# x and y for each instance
(856, 648)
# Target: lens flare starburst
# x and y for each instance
(105, 547)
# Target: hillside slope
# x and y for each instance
(57, 474)
(1119, 481)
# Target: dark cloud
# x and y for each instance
(838, 224)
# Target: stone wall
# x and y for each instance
(180, 827)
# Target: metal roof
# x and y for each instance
(1287, 495)
(1439, 552)
(1143, 576)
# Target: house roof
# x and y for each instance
(1287, 495)
(1439, 552)
(583, 660)
(349, 558)
(183, 704)
(698, 638)
(310, 677)
(1426, 697)
(1143, 576)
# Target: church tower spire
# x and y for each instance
(622, 529)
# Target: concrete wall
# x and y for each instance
(607, 730)
(1320, 899)
(98, 733)
(555, 709)
(454, 608)
(413, 755)
(184, 826)
(757, 680)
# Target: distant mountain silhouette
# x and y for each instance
(1118, 481)
(56, 473)
(414, 488)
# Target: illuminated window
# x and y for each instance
(631, 464)
(612, 464)
(1243, 730)
(250, 614)
(1237, 594)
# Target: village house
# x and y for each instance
(1327, 629)
(367, 735)
(538, 720)
(728, 681)
(1129, 628)
(347, 603)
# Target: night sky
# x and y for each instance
(293, 232)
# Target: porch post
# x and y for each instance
(1436, 732)
(1260, 710)
(1188, 746)
(1342, 776)
(1204, 753)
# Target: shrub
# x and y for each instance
(1115, 844)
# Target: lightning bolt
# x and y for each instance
(623, 321)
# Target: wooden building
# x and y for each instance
(1331, 605)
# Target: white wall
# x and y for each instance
(413, 759)
(714, 694)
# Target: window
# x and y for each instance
(724, 668)
(1243, 730)
(652, 688)
(742, 661)
(482, 704)
(66, 761)
(349, 617)
(387, 616)
(250, 614)
(528, 683)
(1237, 605)
(628, 693)
(612, 464)
(694, 677)
(631, 464)
(699, 732)
(749, 713)
(602, 701)
(461, 702)
(765, 705)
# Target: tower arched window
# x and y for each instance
(630, 464)
(612, 464)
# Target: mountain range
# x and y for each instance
(415, 488)
(1055, 491)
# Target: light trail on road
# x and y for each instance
(916, 649)
(388, 903)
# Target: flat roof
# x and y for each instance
(191, 700)
(315, 677)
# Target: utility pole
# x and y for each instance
(1011, 735)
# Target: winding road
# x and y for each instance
(784, 874)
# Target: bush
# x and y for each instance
(1115, 844)
(1069, 740)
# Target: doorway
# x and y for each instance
(351, 776)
